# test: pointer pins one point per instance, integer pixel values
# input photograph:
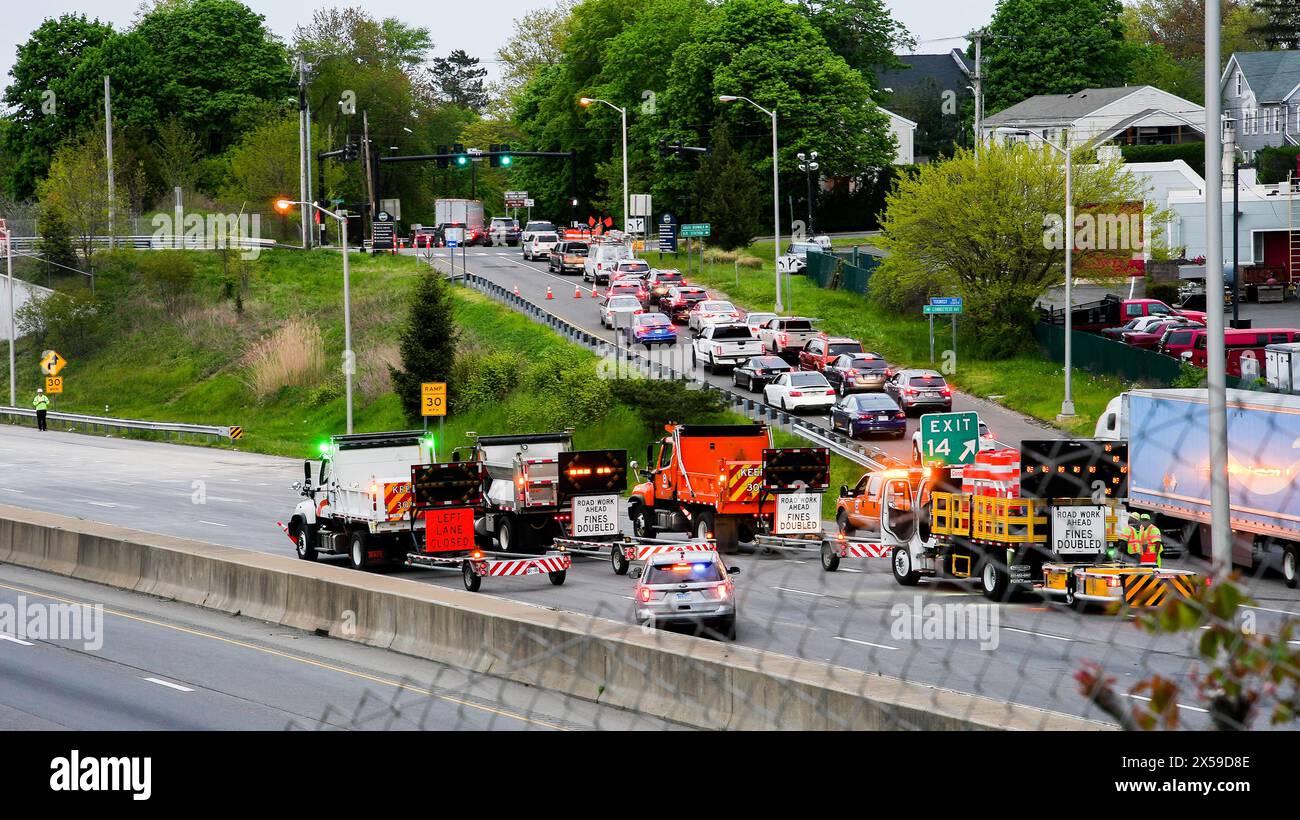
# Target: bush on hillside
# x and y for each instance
(659, 402)
(68, 322)
(167, 277)
(565, 390)
(479, 380)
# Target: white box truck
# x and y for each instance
(1169, 475)
(465, 213)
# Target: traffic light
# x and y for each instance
(499, 156)
(462, 158)
(351, 151)
(443, 162)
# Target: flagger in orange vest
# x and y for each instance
(1151, 543)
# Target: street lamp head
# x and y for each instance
(801, 156)
(727, 98)
(813, 155)
(815, 165)
(585, 101)
(284, 206)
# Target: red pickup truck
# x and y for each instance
(1113, 312)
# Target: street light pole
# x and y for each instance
(586, 101)
(776, 194)
(808, 164)
(349, 359)
(9, 286)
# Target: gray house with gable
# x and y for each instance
(1261, 95)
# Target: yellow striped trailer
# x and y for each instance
(1118, 585)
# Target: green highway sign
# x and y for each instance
(931, 310)
(950, 438)
(696, 230)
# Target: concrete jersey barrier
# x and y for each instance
(698, 682)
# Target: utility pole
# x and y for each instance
(9, 283)
(1220, 520)
(306, 118)
(108, 144)
(365, 157)
(302, 142)
(978, 81)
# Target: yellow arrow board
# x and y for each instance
(433, 399)
(54, 384)
(52, 362)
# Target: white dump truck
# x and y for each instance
(359, 503)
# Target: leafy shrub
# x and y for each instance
(482, 379)
(68, 322)
(325, 393)
(1166, 292)
(659, 402)
(167, 276)
(1189, 375)
(564, 390)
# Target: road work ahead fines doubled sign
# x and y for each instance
(950, 438)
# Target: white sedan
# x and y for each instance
(713, 312)
(800, 390)
(618, 311)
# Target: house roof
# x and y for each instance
(895, 116)
(943, 71)
(1272, 75)
(1060, 108)
(1127, 122)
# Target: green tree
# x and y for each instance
(458, 80)
(177, 154)
(263, 166)
(863, 32)
(729, 196)
(55, 243)
(985, 231)
(1280, 27)
(1052, 47)
(77, 186)
(427, 343)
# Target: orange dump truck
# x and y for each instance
(706, 480)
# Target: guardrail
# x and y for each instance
(78, 422)
(864, 455)
(165, 242)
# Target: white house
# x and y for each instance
(1129, 115)
(904, 131)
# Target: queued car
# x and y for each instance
(799, 390)
(651, 329)
(694, 589)
(724, 346)
(786, 335)
(504, 231)
(755, 373)
(617, 312)
(603, 258)
(424, 236)
(1149, 338)
(678, 301)
(856, 372)
(540, 245)
(536, 226)
(822, 350)
(917, 389)
(629, 267)
(756, 320)
(713, 312)
(659, 281)
(625, 287)
(567, 257)
(866, 413)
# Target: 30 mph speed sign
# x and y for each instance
(433, 399)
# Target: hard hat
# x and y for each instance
(40, 390)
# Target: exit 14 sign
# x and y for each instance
(950, 438)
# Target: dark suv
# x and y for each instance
(913, 389)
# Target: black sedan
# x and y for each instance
(866, 413)
(758, 371)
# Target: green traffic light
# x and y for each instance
(506, 160)
(462, 160)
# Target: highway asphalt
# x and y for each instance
(858, 617)
(147, 664)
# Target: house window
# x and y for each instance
(1238, 83)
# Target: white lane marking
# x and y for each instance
(1180, 706)
(800, 591)
(1039, 634)
(213, 523)
(96, 503)
(864, 643)
(1266, 609)
(12, 490)
(170, 685)
(18, 641)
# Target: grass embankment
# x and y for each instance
(1026, 383)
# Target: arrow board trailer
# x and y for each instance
(538, 488)
(624, 550)
(447, 498)
(360, 502)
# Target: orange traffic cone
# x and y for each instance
(516, 290)
(593, 290)
(549, 295)
(577, 292)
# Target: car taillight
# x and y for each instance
(637, 312)
(911, 391)
(796, 393)
(850, 372)
(717, 350)
(830, 392)
(947, 391)
(723, 592)
(864, 415)
(782, 339)
(900, 415)
(644, 595)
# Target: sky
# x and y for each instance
(480, 34)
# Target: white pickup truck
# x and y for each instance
(786, 335)
(724, 346)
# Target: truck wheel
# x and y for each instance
(703, 529)
(843, 521)
(304, 541)
(469, 578)
(557, 577)
(643, 523)
(904, 574)
(506, 534)
(357, 550)
(1289, 566)
(830, 558)
(994, 581)
(618, 560)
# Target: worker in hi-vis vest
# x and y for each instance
(1128, 536)
(42, 405)
(1152, 543)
